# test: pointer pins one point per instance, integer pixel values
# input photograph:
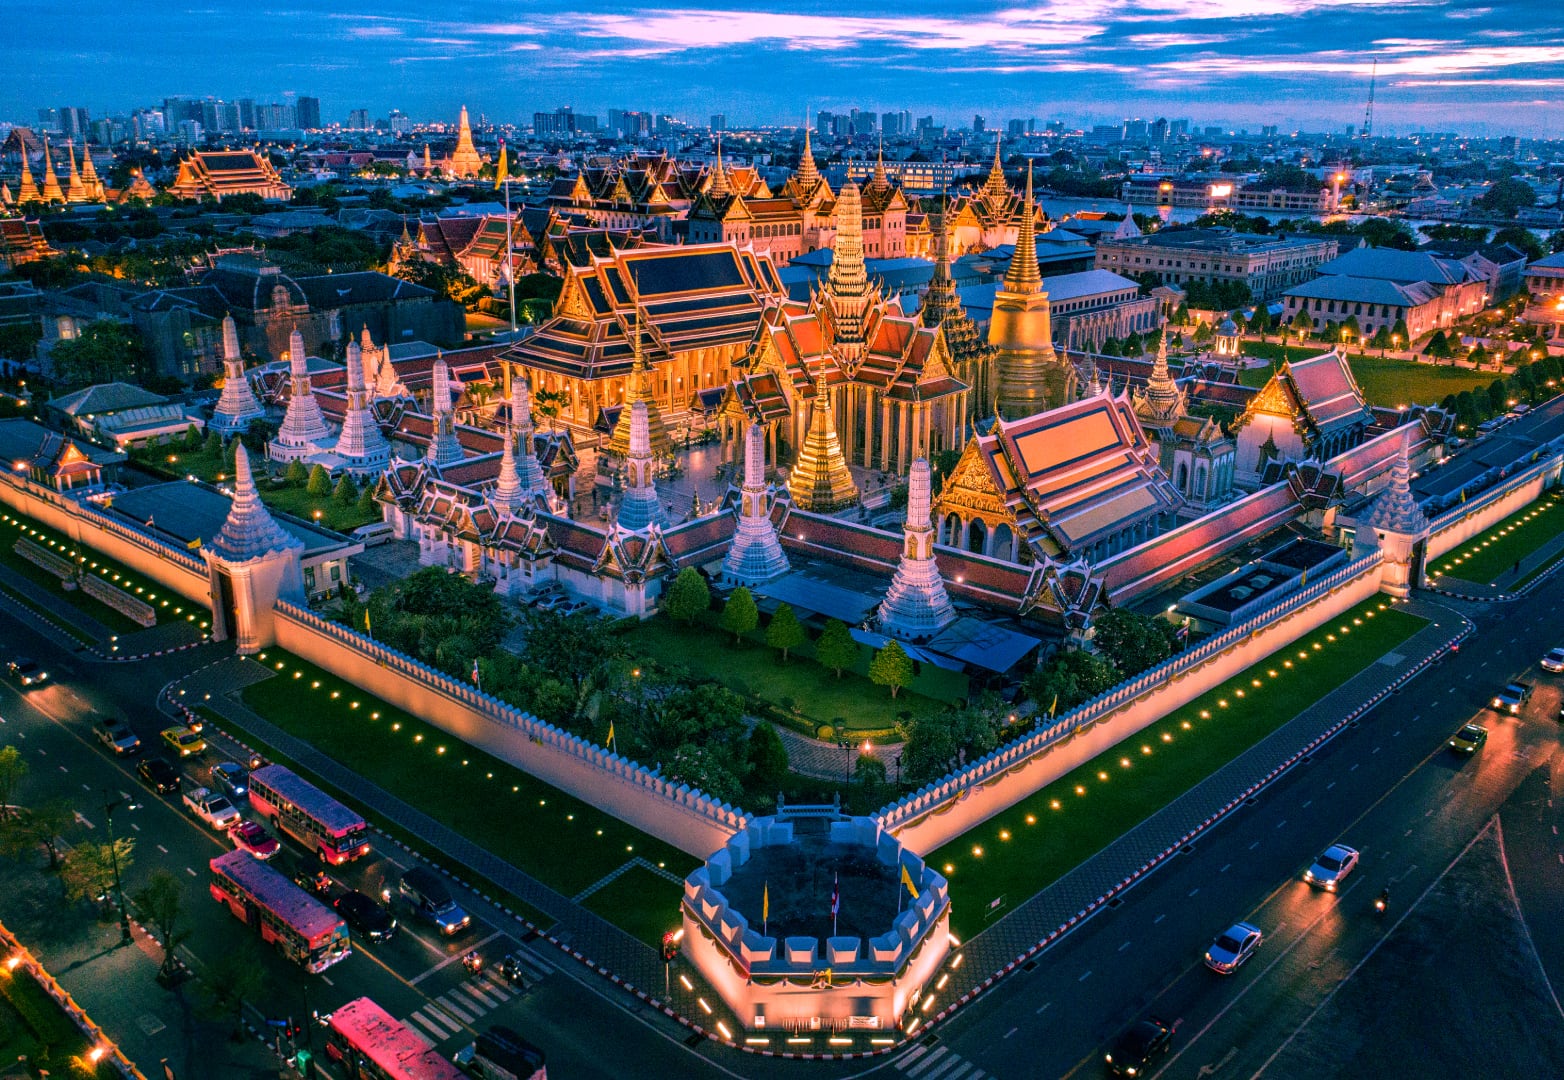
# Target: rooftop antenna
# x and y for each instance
(1368, 112)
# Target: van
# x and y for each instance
(374, 534)
(431, 901)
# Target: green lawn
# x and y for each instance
(34, 1026)
(176, 463)
(1031, 844)
(300, 503)
(1485, 559)
(1384, 382)
(757, 671)
(640, 902)
(558, 839)
(166, 602)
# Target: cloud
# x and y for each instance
(1170, 41)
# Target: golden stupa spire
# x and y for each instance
(75, 191)
(719, 180)
(51, 183)
(89, 175)
(638, 387)
(1022, 277)
(28, 189)
(880, 180)
(807, 172)
(995, 188)
(820, 480)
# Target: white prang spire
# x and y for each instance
(444, 448)
(640, 508)
(507, 489)
(237, 406)
(249, 531)
(360, 442)
(529, 473)
(303, 430)
(916, 607)
(756, 555)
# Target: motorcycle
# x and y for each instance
(510, 971)
(1382, 901)
(317, 882)
(473, 963)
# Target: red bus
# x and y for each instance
(306, 813)
(367, 1044)
(304, 930)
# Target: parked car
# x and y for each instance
(1512, 699)
(1553, 661)
(1232, 947)
(250, 836)
(431, 901)
(231, 779)
(1469, 738)
(116, 736)
(27, 671)
(1333, 865)
(159, 775)
(182, 741)
(365, 916)
(1132, 1053)
(212, 808)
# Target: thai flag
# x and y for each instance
(475, 680)
(836, 895)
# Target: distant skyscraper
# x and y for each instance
(246, 114)
(358, 119)
(890, 123)
(308, 110)
(73, 122)
(977, 124)
(825, 124)
(1015, 128)
(49, 119)
(719, 122)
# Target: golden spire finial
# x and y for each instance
(1022, 277)
(719, 181)
(880, 179)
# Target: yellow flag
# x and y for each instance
(610, 739)
(906, 879)
(367, 630)
(1052, 708)
(1305, 579)
(501, 169)
(765, 900)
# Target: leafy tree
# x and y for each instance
(366, 504)
(1468, 413)
(930, 749)
(1380, 340)
(549, 403)
(891, 667)
(1260, 321)
(19, 341)
(1133, 642)
(1498, 398)
(767, 758)
(1068, 678)
(213, 444)
(346, 492)
(785, 631)
(1506, 197)
(1218, 296)
(161, 905)
(836, 649)
(1399, 332)
(41, 826)
(236, 975)
(87, 870)
(704, 768)
(13, 769)
(1181, 314)
(319, 483)
(1439, 346)
(1203, 333)
(688, 597)
(105, 351)
(296, 475)
(448, 282)
(1478, 356)
(1556, 241)
(1302, 323)
(1522, 239)
(869, 772)
(739, 615)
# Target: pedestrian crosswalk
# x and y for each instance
(937, 1063)
(446, 1016)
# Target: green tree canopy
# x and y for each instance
(1132, 642)
(688, 597)
(891, 667)
(739, 615)
(319, 483)
(767, 758)
(296, 474)
(105, 351)
(1506, 197)
(785, 632)
(1067, 679)
(346, 492)
(836, 648)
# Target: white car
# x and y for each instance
(212, 808)
(1232, 947)
(1334, 864)
(1554, 661)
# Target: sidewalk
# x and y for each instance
(56, 605)
(1515, 581)
(1041, 918)
(828, 761)
(586, 936)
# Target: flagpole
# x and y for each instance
(510, 253)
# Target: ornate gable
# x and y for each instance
(971, 486)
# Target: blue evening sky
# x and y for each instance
(1494, 68)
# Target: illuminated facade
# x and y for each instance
(220, 173)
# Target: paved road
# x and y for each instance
(1388, 787)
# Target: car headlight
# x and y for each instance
(1108, 1058)
(1308, 875)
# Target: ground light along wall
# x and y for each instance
(675, 813)
(1029, 845)
(1463, 521)
(944, 810)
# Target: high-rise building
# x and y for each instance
(977, 124)
(862, 121)
(1134, 130)
(719, 122)
(358, 119)
(559, 122)
(1015, 128)
(890, 123)
(825, 124)
(308, 110)
(924, 123)
(400, 122)
(49, 119)
(73, 122)
(1178, 129)
(1158, 133)
(246, 114)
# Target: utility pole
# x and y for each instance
(109, 806)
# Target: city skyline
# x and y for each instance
(1440, 65)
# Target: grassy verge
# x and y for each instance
(1384, 381)
(1028, 846)
(384, 824)
(165, 602)
(640, 902)
(1486, 558)
(34, 1027)
(343, 517)
(851, 703)
(68, 628)
(563, 842)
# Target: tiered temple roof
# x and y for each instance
(217, 174)
(1319, 393)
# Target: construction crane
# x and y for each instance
(1368, 112)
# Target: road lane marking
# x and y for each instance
(327, 980)
(1085, 975)
(133, 825)
(939, 1052)
(1193, 891)
(1011, 1032)
(163, 849)
(1158, 919)
(1254, 845)
(1374, 751)
(429, 1026)
(914, 1055)
(479, 995)
(192, 873)
(63, 769)
(1308, 803)
(86, 787)
(1225, 869)
(1281, 823)
(1048, 1003)
(435, 1016)
(1355, 765)
(1330, 785)
(81, 819)
(450, 959)
(460, 1012)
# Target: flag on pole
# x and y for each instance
(501, 168)
(1054, 707)
(1305, 579)
(476, 681)
(836, 895)
(610, 739)
(906, 879)
(367, 630)
(765, 902)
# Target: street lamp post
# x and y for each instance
(109, 806)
